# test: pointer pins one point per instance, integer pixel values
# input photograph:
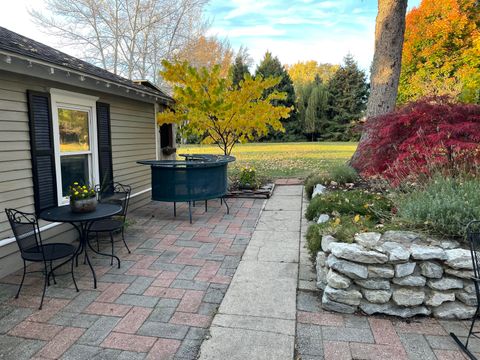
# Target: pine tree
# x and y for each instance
(348, 90)
(240, 66)
(270, 66)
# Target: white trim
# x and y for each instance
(67, 96)
(52, 225)
(140, 192)
(79, 73)
(75, 101)
(43, 228)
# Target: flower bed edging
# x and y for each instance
(398, 273)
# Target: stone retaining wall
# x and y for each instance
(398, 273)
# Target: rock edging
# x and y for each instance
(398, 273)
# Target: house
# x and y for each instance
(63, 120)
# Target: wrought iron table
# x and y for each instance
(82, 222)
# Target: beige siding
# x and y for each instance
(133, 138)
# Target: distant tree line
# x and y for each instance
(328, 100)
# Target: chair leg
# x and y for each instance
(190, 211)
(53, 275)
(113, 253)
(23, 278)
(472, 325)
(44, 285)
(98, 243)
(73, 276)
(123, 238)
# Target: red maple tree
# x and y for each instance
(426, 136)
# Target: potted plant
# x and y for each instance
(168, 150)
(83, 198)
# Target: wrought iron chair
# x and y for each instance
(113, 193)
(473, 238)
(27, 234)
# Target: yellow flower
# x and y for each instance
(337, 221)
(76, 192)
(85, 191)
(356, 218)
(75, 183)
(366, 206)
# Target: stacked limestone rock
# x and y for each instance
(397, 273)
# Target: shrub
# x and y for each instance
(421, 138)
(311, 181)
(341, 174)
(314, 240)
(442, 207)
(248, 178)
(354, 202)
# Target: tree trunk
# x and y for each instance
(386, 66)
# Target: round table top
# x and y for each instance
(65, 214)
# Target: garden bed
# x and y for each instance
(394, 251)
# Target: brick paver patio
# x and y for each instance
(161, 302)
(158, 305)
(331, 336)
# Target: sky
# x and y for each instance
(293, 30)
(299, 30)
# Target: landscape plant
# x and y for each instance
(422, 138)
(340, 174)
(351, 203)
(207, 104)
(442, 207)
(248, 178)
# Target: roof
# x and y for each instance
(21, 45)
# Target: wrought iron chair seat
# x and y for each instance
(29, 240)
(112, 193)
(49, 252)
(106, 225)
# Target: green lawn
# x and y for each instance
(277, 160)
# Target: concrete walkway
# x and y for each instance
(256, 319)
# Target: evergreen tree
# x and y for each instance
(240, 66)
(270, 66)
(348, 91)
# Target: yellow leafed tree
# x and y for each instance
(303, 73)
(207, 104)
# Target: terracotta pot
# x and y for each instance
(83, 205)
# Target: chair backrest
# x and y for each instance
(26, 231)
(115, 193)
(473, 238)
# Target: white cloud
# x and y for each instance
(251, 31)
(324, 50)
(245, 7)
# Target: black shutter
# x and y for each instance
(43, 151)
(166, 135)
(104, 144)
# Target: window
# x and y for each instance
(75, 140)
